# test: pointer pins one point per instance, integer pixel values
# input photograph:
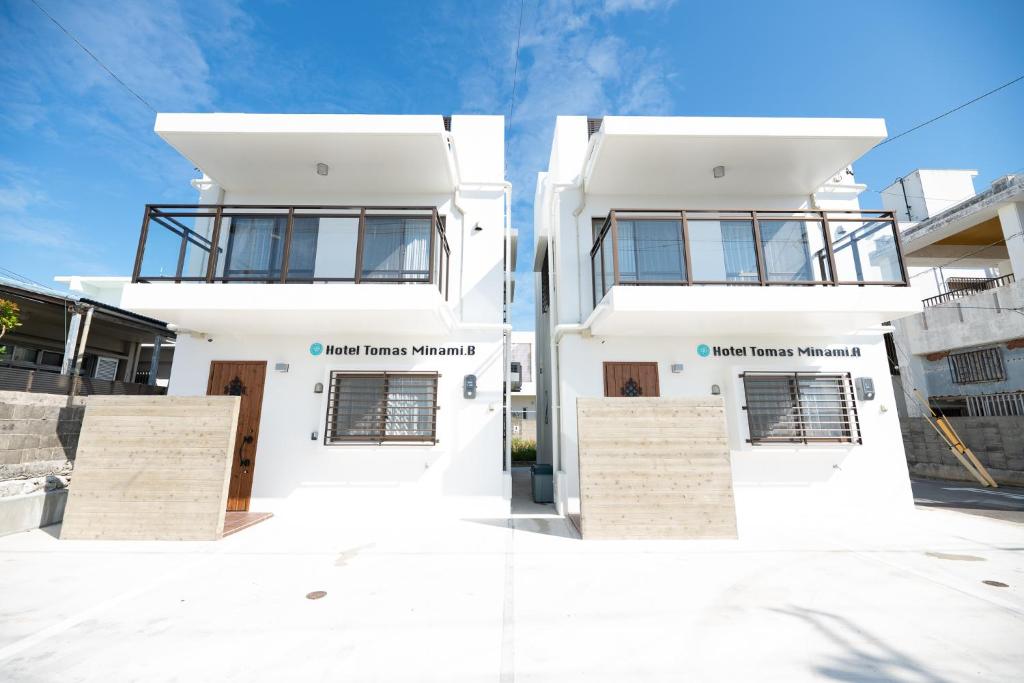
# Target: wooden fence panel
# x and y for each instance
(654, 468)
(152, 468)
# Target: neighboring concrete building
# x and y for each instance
(344, 274)
(524, 398)
(683, 257)
(965, 350)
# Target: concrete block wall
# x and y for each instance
(38, 439)
(997, 441)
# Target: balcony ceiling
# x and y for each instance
(762, 156)
(262, 153)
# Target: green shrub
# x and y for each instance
(524, 450)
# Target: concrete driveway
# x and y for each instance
(416, 598)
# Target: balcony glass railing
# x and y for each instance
(710, 247)
(293, 244)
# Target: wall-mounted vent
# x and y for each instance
(106, 368)
(593, 125)
(447, 123)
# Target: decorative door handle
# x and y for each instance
(244, 462)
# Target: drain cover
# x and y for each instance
(997, 584)
(315, 595)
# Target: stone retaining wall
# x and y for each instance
(997, 441)
(38, 439)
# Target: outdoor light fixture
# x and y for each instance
(318, 388)
(719, 171)
(716, 390)
(322, 169)
(478, 227)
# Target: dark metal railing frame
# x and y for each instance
(165, 215)
(981, 285)
(755, 216)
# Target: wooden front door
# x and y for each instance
(631, 380)
(245, 379)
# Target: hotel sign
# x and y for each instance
(318, 349)
(704, 350)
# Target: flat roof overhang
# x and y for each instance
(669, 311)
(970, 231)
(285, 309)
(762, 156)
(262, 153)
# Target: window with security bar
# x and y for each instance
(973, 367)
(383, 407)
(800, 407)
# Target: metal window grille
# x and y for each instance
(800, 407)
(382, 407)
(545, 286)
(971, 367)
(890, 353)
(996, 405)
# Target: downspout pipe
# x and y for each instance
(508, 332)
(560, 329)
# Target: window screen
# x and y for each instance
(800, 407)
(983, 365)
(382, 408)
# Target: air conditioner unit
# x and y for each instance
(516, 376)
(106, 368)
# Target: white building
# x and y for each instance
(686, 257)
(524, 395)
(964, 351)
(345, 275)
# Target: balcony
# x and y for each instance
(960, 287)
(673, 271)
(389, 267)
(971, 314)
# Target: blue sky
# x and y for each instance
(79, 160)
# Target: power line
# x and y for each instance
(946, 113)
(22, 278)
(515, 76)
(968, 254)
(94, 57)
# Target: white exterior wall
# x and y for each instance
(291, 465)
(784, 481)
(792, 483)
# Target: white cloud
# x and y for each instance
(615, 6)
